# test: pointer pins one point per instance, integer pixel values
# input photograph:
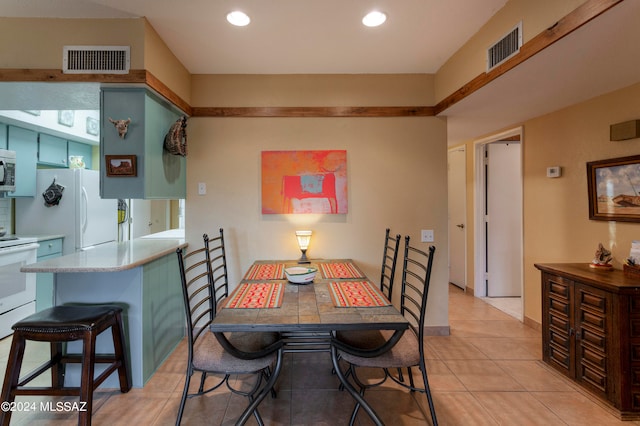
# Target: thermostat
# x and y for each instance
(553, 171)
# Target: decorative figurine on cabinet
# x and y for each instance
(602, 259)
(121, 125)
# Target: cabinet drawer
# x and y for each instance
(560, 359)
(634, 329)
(50, 247)
(560, 339)
(558, 306)
(595, 321)
(594, 377)
(592, 300)
(635, 351)
(559, 287)
(635, 375)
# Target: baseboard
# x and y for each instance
(532, 323)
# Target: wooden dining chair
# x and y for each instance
(409, 351)
(239, 353)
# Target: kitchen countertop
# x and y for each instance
(109, 257)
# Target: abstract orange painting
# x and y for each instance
(304, 182)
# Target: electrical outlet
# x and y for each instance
(426, 236)
(202, 188)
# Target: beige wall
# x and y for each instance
(557, 226)
(556, 216)
(396, 170)
(163, 64)
(38, 42)
(470, 61)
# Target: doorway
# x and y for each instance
(457, 177)
(498, 221)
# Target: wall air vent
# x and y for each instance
(96, 59)
(505, 48)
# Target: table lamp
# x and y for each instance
(303, 242)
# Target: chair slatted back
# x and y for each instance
(217, 261)
(197, 294)
(416, 275)
(389, 260)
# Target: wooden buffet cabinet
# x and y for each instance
(591, 331)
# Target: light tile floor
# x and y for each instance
(487, 372)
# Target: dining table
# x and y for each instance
(340, 297)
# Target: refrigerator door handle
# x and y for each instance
(85, 205)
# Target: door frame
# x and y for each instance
(462, 148)
(479, 248)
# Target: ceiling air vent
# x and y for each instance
(505, 48)
(96, 59)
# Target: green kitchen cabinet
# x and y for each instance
(48, 249)
(158, 174)
(25, 143)
(3, 136)
(52, 151)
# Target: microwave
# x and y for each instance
(7, 170)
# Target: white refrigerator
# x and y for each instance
(85, 219)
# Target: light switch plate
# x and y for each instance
(426, 236)
(202, 188)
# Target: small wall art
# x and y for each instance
(614, 188)
(304, 182)
(92, 126)
(121, 165)
(66, 117)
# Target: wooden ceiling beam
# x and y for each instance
(580, 16)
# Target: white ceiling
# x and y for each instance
(325, 36)
(292, 36)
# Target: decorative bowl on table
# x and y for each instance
(300, 274)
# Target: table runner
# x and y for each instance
(356, 294)
(265, 271)
(339, 270)
(256, 295)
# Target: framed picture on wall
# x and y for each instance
(121, 165)
(614, 189)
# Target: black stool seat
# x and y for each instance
(67, 319)
(58, 325)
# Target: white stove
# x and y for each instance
(12, 240)
(17, 289)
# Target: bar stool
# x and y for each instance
(58, 325)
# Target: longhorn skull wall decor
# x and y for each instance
(121, 125)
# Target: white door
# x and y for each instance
(160, 215)
(140, 218)
(503, 219)
(457, 177)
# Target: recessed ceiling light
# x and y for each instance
(239, 19)
(373, 19)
